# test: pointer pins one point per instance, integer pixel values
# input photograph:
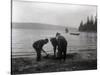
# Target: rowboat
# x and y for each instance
(74, 33)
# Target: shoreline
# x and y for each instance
(33, 54)
(82, 60)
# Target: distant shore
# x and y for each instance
(82, 60)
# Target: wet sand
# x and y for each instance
(79, 60)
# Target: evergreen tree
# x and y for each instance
(95, 24)
(89, 25)
(81, 26)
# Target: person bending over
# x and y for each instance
(54, 44)
(38, 46)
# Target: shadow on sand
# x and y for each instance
(69, 56)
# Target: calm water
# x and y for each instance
(22, 40)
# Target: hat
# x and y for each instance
(57, 34)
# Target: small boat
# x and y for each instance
(74, 33)
(66, 30)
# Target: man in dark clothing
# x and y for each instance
(38, 46)
(62, 46)
(54, 44)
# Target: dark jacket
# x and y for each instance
(38, 44)
(54, 42)
(61, 41)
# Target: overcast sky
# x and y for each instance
(51, 13)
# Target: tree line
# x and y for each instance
(90, 25)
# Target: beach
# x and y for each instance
(81, 52)
(80, 60)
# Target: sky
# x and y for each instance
(51, 13)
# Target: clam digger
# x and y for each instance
(38, 46)
(59, 43)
